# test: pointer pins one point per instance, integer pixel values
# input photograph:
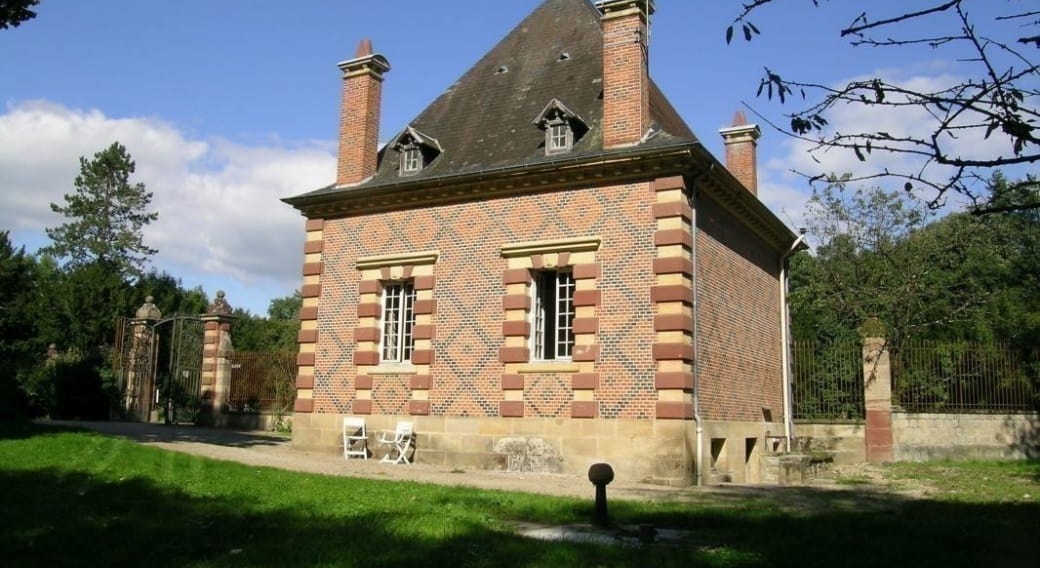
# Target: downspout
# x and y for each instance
(697, 462)
(785, 351)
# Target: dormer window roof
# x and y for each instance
(416, 151)
(563, 127)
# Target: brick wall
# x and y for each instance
(359, 126)
(739, 328)
(626, 99)
(742, 161)
(465, 363)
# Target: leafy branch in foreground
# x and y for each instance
(14, 12)
(953, 133)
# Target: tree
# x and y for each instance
(170, 295)
(107, 215)
(287, 308)
(16, 287)
(17, 326)
(1016, 307)
(14, 12)
(881, 254)
(997, 100)
(275, 333)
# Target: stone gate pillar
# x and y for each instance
(216, 364)
(140, 371)
(877, 392)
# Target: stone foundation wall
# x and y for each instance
(921, 437)
(654, 451)
(733, 450)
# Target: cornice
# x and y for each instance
(568, 173)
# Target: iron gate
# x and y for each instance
(160, 368)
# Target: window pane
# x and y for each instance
(398, 321)
(552, 315)
(538, 317)
(565, 314)
(558, 137)
(411, 160)
(408, 323)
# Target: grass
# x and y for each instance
(73, 498)
(974, 482)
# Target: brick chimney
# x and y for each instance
(626, 79)
(359, 115)
(742, 151)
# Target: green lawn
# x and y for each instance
(76, 499)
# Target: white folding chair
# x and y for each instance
(398, 443)
(355, 438)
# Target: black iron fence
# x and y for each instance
(827, 380)
(964, 377)
(262, 382)
(927, 376)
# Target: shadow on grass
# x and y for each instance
(175, 510)
(23, 429)
(856, 527)
(56, 518)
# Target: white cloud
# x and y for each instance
(218, 201)
(784, 198)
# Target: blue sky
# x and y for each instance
(229, 105)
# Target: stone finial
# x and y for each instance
(220, 306)
(148, 310)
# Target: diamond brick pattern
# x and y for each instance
(548, 396)
(466, 370)
(390, 394)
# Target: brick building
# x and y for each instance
(545, 268)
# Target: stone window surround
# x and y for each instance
(376, 271)
(524, 258)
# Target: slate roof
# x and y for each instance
(484, 121)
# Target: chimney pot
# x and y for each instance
(364, 48)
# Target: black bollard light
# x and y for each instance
(601, 474)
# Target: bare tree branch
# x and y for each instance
(865, 25)
(997, 100)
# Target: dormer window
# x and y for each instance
(416, 151)
(559, 138)
(411, 161)
(563, 127)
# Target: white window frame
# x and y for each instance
(411, 160)
(559, 137)
(552, 315)
(397, 322)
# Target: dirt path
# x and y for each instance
(273, 450)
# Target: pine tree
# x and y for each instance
(17, 329)
(106, 216)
